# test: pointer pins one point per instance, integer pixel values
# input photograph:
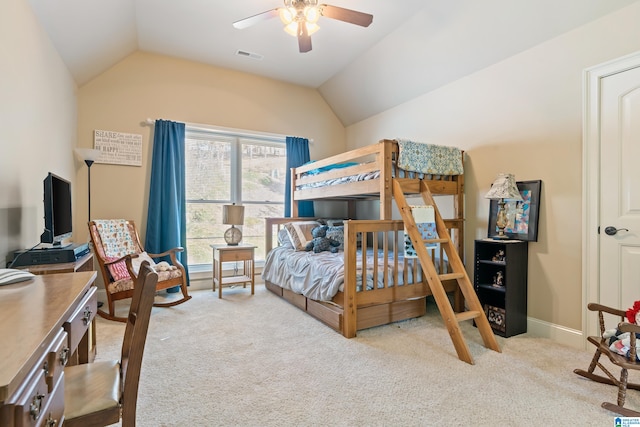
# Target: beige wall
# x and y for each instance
(524, 116)
(37, 123)
(146, 85)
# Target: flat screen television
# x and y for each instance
(57, 210)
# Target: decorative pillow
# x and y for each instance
(284, 239)
(300, 233)
(337, 234)
(137, 262)
(118, 270)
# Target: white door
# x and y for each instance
(620, 189)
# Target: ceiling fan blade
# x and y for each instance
(346, 15)
(252, 20)
(304, 39)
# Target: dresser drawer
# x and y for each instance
(236, 255)
(80, 320)
(57, 359)
(52, 414)
(40, 409)
(33, 399)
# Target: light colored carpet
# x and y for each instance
(259, 361)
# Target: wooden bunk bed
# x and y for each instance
(399, 290)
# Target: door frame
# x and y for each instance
(591, 181)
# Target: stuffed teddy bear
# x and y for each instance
(321, 242)
(620, 342)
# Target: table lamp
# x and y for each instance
(503, 188)
(233, 215)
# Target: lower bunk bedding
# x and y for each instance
(320, 276)
(323, 284)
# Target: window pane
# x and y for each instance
(208, 171)
(263, 171)
(253, 229)
(204, 228)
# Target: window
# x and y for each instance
(222, 168)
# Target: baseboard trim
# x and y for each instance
(560, 334)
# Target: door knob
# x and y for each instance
(611, 231)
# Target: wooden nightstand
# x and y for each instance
(225, 253)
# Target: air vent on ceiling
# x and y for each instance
(251, 55)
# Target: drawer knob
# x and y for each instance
(36, 406)
(45, 368)
(86, 316)
(64, 356)
(51, 422)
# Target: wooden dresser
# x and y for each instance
(86, 351)
(42, 322)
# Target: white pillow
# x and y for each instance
(137, 262)
(283, 238)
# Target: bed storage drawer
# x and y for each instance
(298, 300)
(81, 319)
(328, 314)
(273, 288)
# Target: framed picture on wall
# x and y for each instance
(522, 217)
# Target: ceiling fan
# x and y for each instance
(300, 18)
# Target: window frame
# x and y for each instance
(236, 138)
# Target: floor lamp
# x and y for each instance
(89, 156)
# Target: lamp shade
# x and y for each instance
(504, 187)
(85, 154)
(233, 214)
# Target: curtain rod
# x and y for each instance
(229, 131)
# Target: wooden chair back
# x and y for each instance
(106, 391)
(135, 336)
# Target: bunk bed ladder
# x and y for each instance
(450, 318)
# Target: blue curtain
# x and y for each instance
(166, 217)
(297, 155)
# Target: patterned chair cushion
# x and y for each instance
(126, 284)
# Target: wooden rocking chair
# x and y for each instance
(119, 253)
(602, 347)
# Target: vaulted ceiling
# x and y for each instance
(412, 46)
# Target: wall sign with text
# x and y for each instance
(117, 148)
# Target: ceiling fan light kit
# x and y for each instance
(300, 19)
